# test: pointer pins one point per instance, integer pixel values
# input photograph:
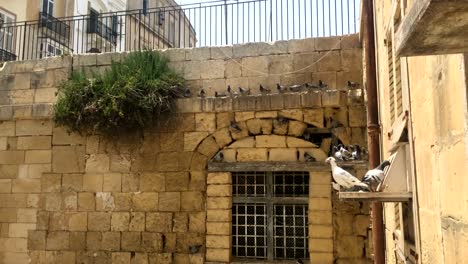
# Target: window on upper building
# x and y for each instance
(270, 215)
(7, 31)
(145, 7)
(48, 7)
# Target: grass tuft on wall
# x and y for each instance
(129, 96)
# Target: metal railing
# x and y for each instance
(215, 23)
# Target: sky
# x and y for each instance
(270, 20)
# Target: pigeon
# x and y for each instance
(356, 152)
(194, 249)
(308, 157)
(244, 91)
(306, 136)
(299, 261)
(335, 186)
(235, 126)
(187, 93)
(280, 88)
(341, 153)
(375, 176)
(282, 120)
(344, 178)
(311, 85)
(201, 93)
(230, 91)
(219, 157)
(321, 84)
(352, 84)
(220, 94)
(295, 88)
(264, 89)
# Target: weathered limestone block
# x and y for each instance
(98, 163)
(357, 116)
(296, 128)
(336, 117)
(7, 128)
(314, 117)
(120, 162)
(68, 159)
(311, 99)
(110, 241)
(244, 103)
(244, 132)
(192, 139)
(282, 154)
(21, 96)
(252, 154)
(192, 201)
(213, 228)
(26, 186)
(255, 66)
(5, 185)
(63, 137)
(320, 231)
(342, 223)
(294, 114)
(78, 221)
(208, 147)
(260, 126)
(211, 69)
(205, 122)
(6, 112)
(219, 178)
(180, 223)
(270, 141)
(131, 241)
(152, 182)
(198, 162)
(293, 142)
(36, 240)
(222, 53)
(224, 119)
(213, 241)
(145, 201)
(93, 182)
(152, 242)
(197, 222)
(320, 217)
(175, 54)
(361, 224)
(120, 221)
(334, 98)
(99, 221)
(266, 114)
(331, 61)
(276, 101)
(159, 222)
(121, 257)
(350, 247)
(169, 201)
(359, 136)
(343, 134)
(51, 182)
(351, 59)
(33, 127)
(320, 178)
(317, 153)
(222, 137)
(280, 127)
(171, 141)
(218, 203)
(219, 190)
(218, 255)
(137, 221)
(42, 110)
(203, 53)
(325, 145)
(248, 142)
(57, 240)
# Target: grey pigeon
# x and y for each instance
(299, 261)
(344, 178)
(244, 91)
(311, 85)
(231, 91)
(280, 88)
(321, 84)
(356, 152)
(295, 88)
(306, 136)
(375, 176)
(194, 249)
(220, 94)
(308, 157)
(219, 157)
(352, 84)
(282, 120)
(187, 93)
(235, 126)
(201, 93)
(264, 89)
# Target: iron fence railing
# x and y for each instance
(214, 23)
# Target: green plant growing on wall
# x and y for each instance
(129, 96)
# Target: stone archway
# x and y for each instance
(260, 140)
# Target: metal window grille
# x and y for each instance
(269, 215)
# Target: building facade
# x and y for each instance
(422, 88)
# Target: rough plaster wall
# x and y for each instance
(66, 198)
(438, 108)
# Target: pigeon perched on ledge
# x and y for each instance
(263, 89)
(344, 178)
(375, 176)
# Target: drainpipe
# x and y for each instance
(373, 128)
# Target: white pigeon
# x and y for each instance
(344, 178)
(375, 176)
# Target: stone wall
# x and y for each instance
(69, 198)
(438, 122)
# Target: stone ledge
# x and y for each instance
(313, 99)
